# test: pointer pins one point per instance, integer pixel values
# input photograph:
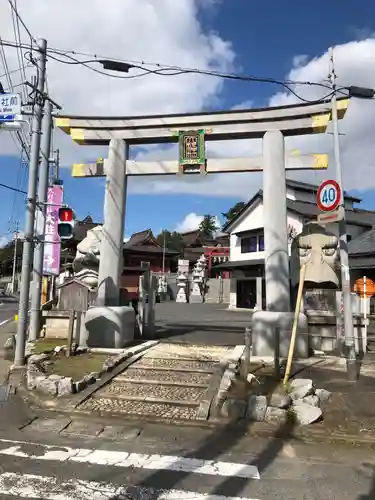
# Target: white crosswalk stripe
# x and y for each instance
(30, 485)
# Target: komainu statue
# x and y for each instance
(316, 248)
(86, 261)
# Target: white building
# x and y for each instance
(247, 238)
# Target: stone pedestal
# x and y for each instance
(272, 332)
(109, 327)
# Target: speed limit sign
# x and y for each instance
(328, 196)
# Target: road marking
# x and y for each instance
(7, 321)
(48, 488)
(123, 459)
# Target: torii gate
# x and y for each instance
(270, 124)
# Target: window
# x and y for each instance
(261, 243)
(249, 244)
(348, 238)
(252, 244)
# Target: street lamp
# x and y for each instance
(119, 66)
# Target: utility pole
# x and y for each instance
(36, 285)
(16, 233)
(351, 364)
(28, 244)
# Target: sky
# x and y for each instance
(281, 40)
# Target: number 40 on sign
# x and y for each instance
(328, 196)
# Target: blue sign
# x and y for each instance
(7, 118)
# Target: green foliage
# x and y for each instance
(208, 226)
(233, 211)
(173, 240)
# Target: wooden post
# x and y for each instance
(70, 333)
(302, 274)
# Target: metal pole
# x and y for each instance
(163, 268)
(36, 285)
(351, 364)
(27, 255)
(15, 258)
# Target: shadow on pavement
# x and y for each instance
(201, 334)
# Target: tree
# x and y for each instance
(234, 211)
(173, 240)
(208, 226)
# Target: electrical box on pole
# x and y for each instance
(66, 223)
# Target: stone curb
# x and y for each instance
(308, 434)
(56, 385)
(219, 389)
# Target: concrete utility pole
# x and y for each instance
(16, 233)
(344, 258)
(28, 244)
(36, 284)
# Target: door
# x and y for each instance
(246, 294)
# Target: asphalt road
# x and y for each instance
(181, 463)
(8, 307)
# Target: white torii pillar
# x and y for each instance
(111, 250)
(275, 223)
(272, 328)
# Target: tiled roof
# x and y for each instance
(355, 217)
(142, 238)
(312, 188)
(363, 244)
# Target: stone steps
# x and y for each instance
(155, 387)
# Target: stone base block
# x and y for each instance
(274, 328)
(196, 299)
(109, 327)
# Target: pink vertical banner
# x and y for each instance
(52, 245)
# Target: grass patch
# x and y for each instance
(47, 345)
(76, 367)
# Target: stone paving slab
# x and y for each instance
(168, 376)
(82, 428)
(172, 393)
(119, 432)
(176, 363)
(49, 424)
(140, 408)
(168, 350)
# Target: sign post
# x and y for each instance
(365, 288)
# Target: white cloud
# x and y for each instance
(4, 240)
(190, 223)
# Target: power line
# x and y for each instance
(16, 190)
(167, 70)
(15, 10)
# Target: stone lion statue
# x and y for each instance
(86, 261)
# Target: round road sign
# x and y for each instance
(328, 196)
(359, 287)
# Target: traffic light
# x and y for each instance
(66, 223)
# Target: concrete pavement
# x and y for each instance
(8, 308)
(149, 463)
